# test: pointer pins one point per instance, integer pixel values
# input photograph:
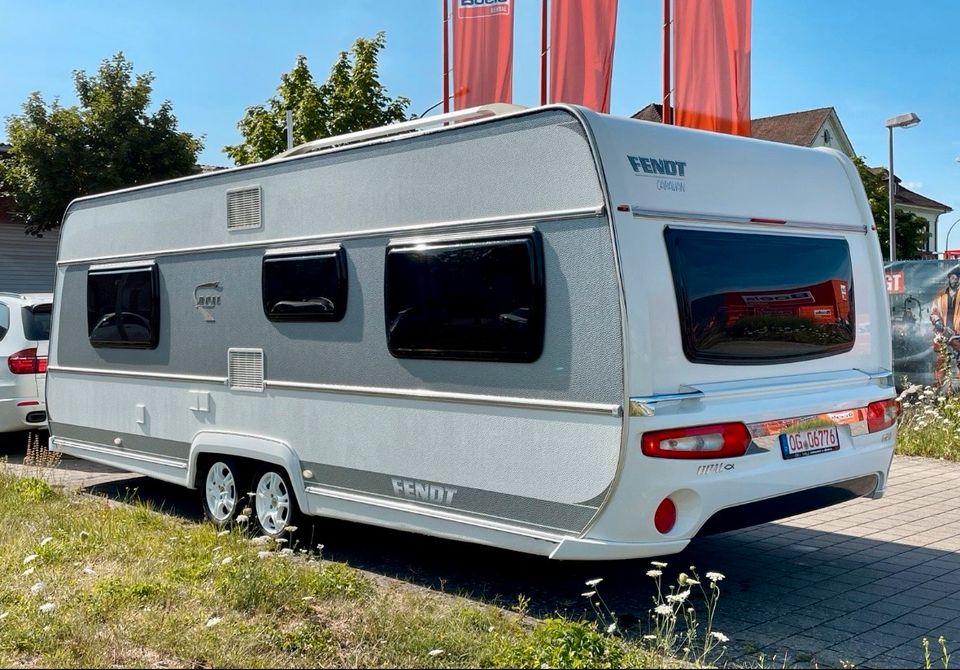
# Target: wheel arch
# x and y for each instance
(254, 448)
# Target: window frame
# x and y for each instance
(155, 314)
(537, 319)
(337, 253)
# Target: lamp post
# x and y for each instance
(899, 121)
(946, 241)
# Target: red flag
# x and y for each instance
(711, 59)
(581, 51)
(482, 52)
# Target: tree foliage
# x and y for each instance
(351, 99)
(108, 141)
(910, 228)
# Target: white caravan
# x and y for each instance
(549, 330)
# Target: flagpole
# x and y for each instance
(446, 60)
(667, 102)
(543, 52)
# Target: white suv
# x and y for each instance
(24, 342)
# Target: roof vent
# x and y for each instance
(243, 208)
(245, 369)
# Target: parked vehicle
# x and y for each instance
(549, 330)
(24, 335)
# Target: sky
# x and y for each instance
(214, 58)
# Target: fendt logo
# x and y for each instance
(475, 9)
(658, 166)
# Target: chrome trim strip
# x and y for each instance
(408, 394)
(641, 213)
(136, 374)
(430, 228)
(465, 398)
(461, 236)
(647, 405)
(144, 264)
(116, 453)
(400, 506)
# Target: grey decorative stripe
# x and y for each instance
(436, 396)
(430, 228)
(503, 507)
(640, 212)
(141, 447)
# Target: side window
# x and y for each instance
(305, 285)
(123, 307)
(466, 300)
(4, 320)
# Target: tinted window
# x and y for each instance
(4, 320)
(749, 298)
(36, 322)
(123, 307)
(305, 287)
(474, 300)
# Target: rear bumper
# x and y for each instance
(16, 414)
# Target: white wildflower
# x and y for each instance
(37, 588)
(242, 518)
(693, 582)
(45, 541)
(658, 564)
(679, 597)
(649, 637)
(611, 629)
(286, 551)
(434, 652)
(89, 571)
(223, 532)
(46, 608)
(291, 529)
(31, 558)
(227, 560)
(261, 540)
(589, 594)
(27, 572)
(715, 576)
(213, 621)
(4, 615)
(307, 599)
(281, 540)
(264, 554)
(654, 573)
(719, 636)
(593, 582)
(663, 610)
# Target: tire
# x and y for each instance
(222, 491)
(275, 505)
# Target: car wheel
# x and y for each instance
(221, 491)
(275, 505)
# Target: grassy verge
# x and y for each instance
(88, 583)
(930, 424)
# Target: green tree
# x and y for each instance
(108, 141)
(910, 228)
(351, 99)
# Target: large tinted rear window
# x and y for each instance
(36, 322)
(746, 298)
(4, 320)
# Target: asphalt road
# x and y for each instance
(862, 582)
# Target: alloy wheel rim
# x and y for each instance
(221, 492)
(273, 503)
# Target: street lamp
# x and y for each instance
(946, 242)
(899, 121)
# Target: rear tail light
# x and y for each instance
(714, 441)
(26, 362)
(882, 414)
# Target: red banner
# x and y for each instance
(482, 52)
(581, 51)
(711, 59)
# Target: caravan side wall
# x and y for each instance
(527, 450)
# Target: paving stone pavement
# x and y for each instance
(858, 584)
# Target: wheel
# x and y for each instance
(221, 493)
(275, 505)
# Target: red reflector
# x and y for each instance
(41, 364)
(665, 517)
(24, 362)
(757, 219)
(28, 403)
(882, 414)
(623, 208)
(718, 440)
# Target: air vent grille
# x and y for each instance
(245, 369)
(243, 208)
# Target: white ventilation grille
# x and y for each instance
(243, 208)
(245, 369)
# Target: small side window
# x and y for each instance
(123, 307)
(480, 300)
(305, 286)
(4, 320)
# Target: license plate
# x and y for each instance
(809, 442)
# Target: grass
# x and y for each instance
(85, 582)
(930, 423)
